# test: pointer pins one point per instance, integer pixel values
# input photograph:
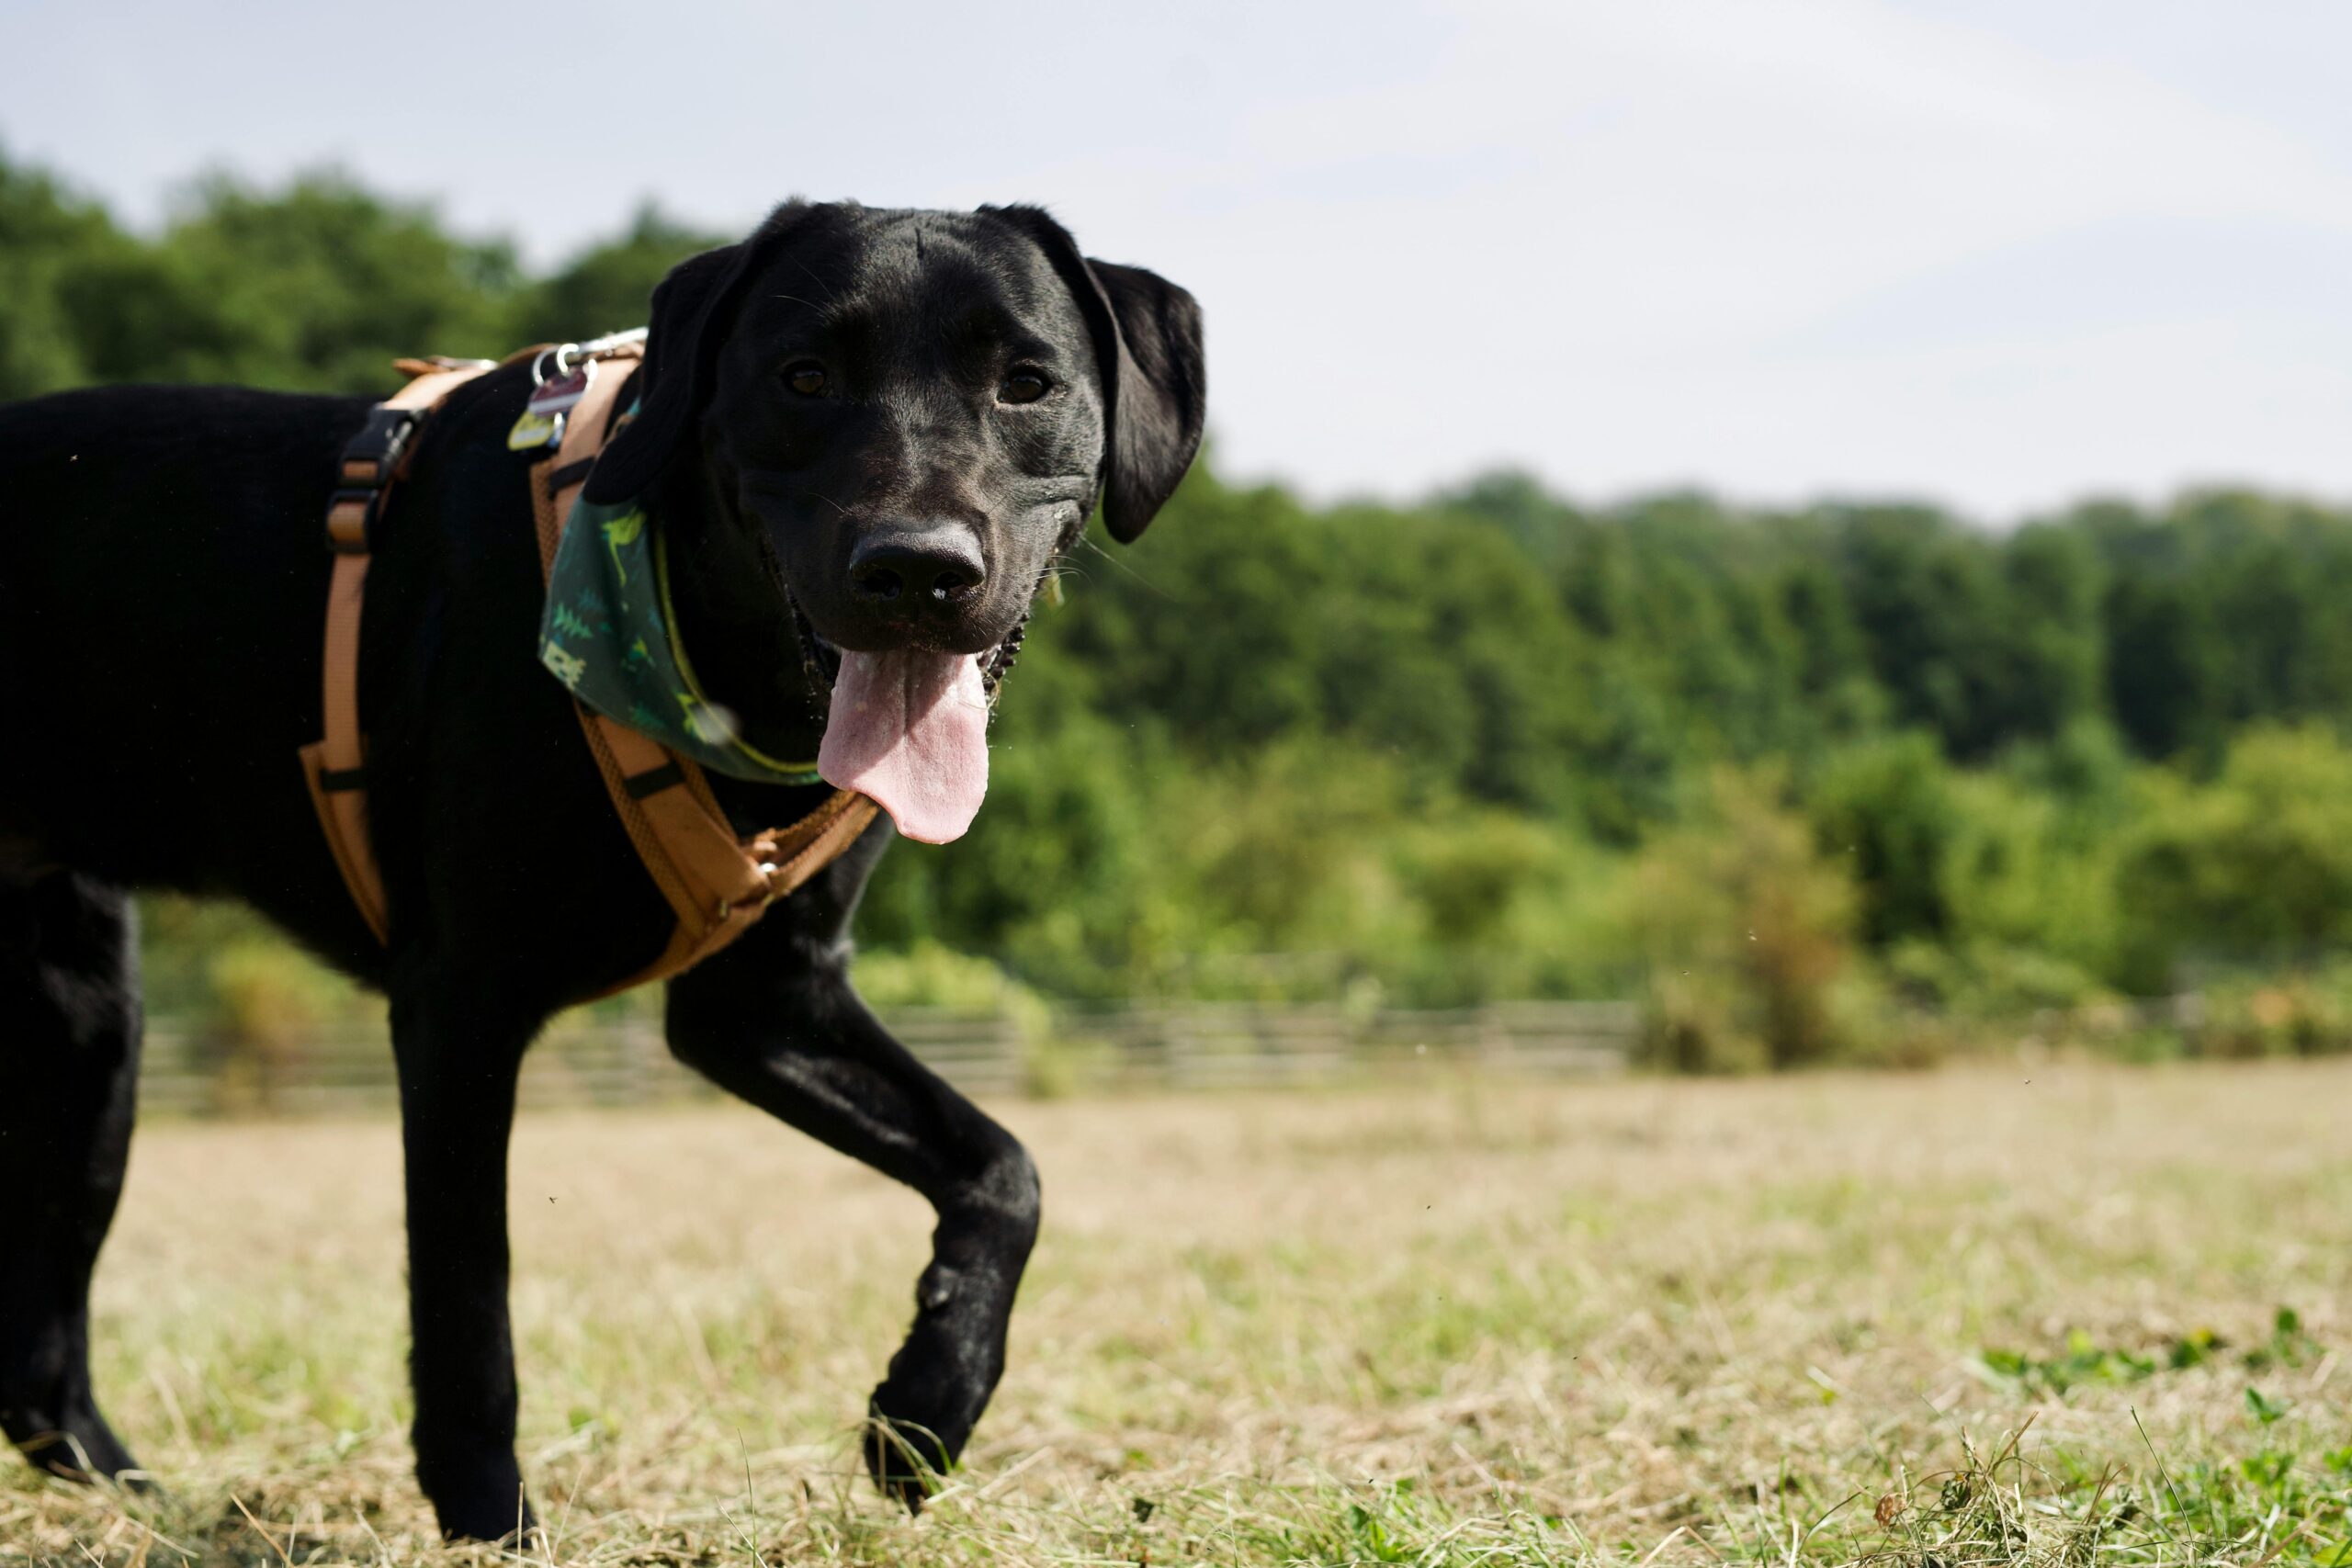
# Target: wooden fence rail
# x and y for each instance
(1192, 1046)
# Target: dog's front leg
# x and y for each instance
(459, 1045)
(772, 1020)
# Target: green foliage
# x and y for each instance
(49, 238)
(1884, 806)
(2280, 1013)
(224, 972)
(243, 995)
(605, 287)
(1478, 747)
(1988, 982)
(317, 287)
(2281, 1504)
(2257, 863)
(2243, 1504)
(2084, 1362)
(928, 975)
(1747, 932)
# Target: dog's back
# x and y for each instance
(161, 585)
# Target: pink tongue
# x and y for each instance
(911, 731)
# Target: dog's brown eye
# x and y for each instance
(808, 380)
(1023, 387)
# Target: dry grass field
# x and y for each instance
(2070, 1314)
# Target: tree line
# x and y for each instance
(1790, 774)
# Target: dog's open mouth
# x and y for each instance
(822, 660)
(909, 727)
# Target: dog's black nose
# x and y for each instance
(913, 568)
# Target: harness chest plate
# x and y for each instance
(716, 884)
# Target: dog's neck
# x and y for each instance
(732, 618)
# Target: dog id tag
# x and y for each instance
(558, 393)
(542, 421)
(534, 431)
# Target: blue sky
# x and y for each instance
(1994, 254)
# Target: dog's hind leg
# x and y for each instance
(69, 1066)
(773, 1020)
(458, 1041)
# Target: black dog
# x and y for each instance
(862, 432)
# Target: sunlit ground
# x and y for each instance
(1454, 1322)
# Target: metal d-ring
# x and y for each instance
(538, 376)
(611, 344)
(561, 356)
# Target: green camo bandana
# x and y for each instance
(606, 635)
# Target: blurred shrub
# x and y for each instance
(2253, 868)
(268, 998)
(1506, 906)
(2292, 1014)
(1884, 808)
(2031, 896)
(1747, 932)
(247, 999)
(1989, 982)
(607, 288)
(928, 975)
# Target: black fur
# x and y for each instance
(162, 590)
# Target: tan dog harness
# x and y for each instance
(717, 882)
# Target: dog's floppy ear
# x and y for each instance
(690, 308)
(1155, 379)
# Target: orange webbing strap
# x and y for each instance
(718, 885)
(335, 765)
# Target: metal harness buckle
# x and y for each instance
(369, 462)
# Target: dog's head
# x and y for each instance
(912, 413)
